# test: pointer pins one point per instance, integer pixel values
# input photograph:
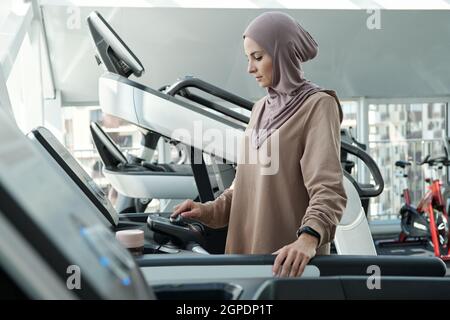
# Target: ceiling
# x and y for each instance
(409, 56)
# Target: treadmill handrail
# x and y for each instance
(215, 106)
(362, 189)
(192, 82)
(330, 265)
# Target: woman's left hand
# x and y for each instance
(292, 259)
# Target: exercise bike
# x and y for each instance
(429, 221)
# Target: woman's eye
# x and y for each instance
(258, 58)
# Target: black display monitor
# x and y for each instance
(112, 52)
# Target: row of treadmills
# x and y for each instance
(53, 217)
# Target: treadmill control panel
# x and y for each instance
(181, 231)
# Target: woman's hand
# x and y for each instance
(292, 259)
(189, 209)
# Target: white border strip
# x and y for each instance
(259, 4)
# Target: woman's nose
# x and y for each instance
(251, 68)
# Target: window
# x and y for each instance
(96, 116)
(68, 140)
(403, 132)
(350, 111)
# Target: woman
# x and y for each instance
(293, 212)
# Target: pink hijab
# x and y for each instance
(289, 45)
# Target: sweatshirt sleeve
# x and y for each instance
(321, 168)
(217, 212)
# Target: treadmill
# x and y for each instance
(143, 179)
(55, 233)
(87, 190)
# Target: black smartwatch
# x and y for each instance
(308, 230)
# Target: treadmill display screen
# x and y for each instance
(111, 50)
(76, 172)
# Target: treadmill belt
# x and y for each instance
(406, 250)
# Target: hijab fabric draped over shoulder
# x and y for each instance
(289, 45)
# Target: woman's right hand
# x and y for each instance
(190, 209)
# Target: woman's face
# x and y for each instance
(259, 62)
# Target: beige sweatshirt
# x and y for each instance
(264, 211)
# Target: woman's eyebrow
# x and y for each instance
(259, 51)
